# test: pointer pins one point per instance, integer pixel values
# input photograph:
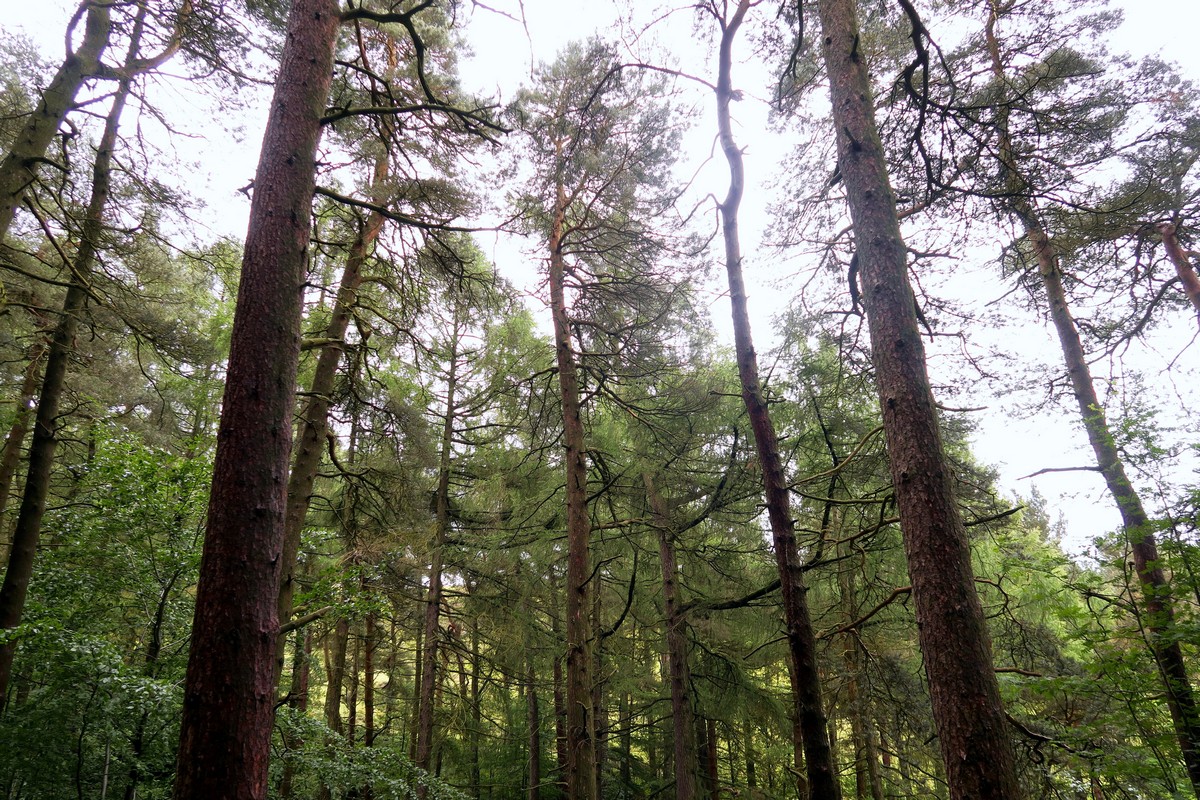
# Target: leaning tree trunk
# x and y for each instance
(1181, 262)
(41, 449)
(581, 739)
(1157, 607)
(682, 717)
(972, 729)
(314, 417)
(811, 730)
(20, 167)
(229, 691)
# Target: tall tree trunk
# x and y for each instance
(677, 650)
(229, 691)
(433, 600)
(811, 731)
(335, 670)
(972, 729)
(314, 416)
(28, 529)
(20, 167)
(1157, 606)
(1181, 262)
(560, 724)
(581, 734)
(476, 710)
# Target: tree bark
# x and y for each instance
(19, 169)
(1157, 606)
(314, 417)
(811, 735)
(581, 774)
(680, 676)
(229, 691)
(28, 529)
(534, 717)
(972, 729)
(1181, 262)
(10, 457)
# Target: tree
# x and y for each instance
(811, 734)
(229, 691)
(972, 729)
(600, 149)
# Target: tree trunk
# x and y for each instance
(433, 600)
(28, 529)
(1183, 265)
(370, 636)
(314, 417)
(1157, 607)
(335, 670)
(811, 733)
(972, 729)
(581, 777)
(297, 699)
(476, 710)
(19, 169)
(714, 764)
(534, 717)
(229, 691)
(680, 677)
(10, 457)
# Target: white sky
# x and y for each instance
(503, 53)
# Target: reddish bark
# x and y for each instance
(10, 457)
(1183, 265)
(972, 729)
(810, 733)
(229, 691)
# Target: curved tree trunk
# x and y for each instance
(1157, 607)
(811, 726)
(20, 167)
(41, 449)
(972, 729)
(229, 691)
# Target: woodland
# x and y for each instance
(338, 510)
